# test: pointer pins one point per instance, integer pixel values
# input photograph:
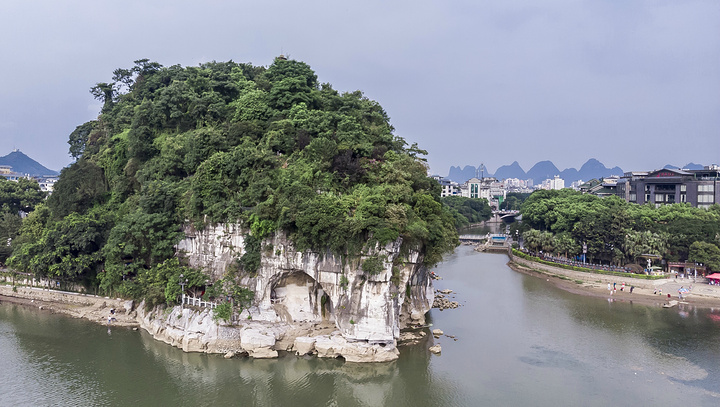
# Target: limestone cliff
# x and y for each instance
(305, 288)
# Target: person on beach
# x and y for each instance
(614, 288)
(632, 287)
(623, 287)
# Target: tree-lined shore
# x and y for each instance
(619, 233)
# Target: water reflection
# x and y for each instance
(518, 340)
(663, 346)
(290, 380)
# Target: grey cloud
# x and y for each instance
(633, 84)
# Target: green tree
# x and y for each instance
(532, 239)
(67, 249)
(81, 186)
(79, 138)
(21, 195)
(470, 210)
(10, 224)
(567, 246)
(705, 253)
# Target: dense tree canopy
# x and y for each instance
(228, 142)
(620, 232)
(468, 210)
(16, 198)
(21, 195)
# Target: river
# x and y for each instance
(519, 341)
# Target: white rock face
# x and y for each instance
(336, 345)
(304, 345)
(257, 343)
(293, 287)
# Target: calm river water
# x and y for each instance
(520, 341)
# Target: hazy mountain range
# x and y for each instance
(691, 166)
(539, 172)
(546, 169)
(22, 164)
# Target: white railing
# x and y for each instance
(197, 302)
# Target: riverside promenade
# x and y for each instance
(701, 291)
(92, 307)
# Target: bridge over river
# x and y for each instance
(505, 216)
(496, 239)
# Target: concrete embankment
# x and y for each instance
(92, 307)
(653, 291)
(587, 277)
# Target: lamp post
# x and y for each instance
(183, 282)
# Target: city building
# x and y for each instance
(602, 187)
(449, 188)
(47, 183)
(488, 188)
(699, 188)
(518, 185)
(7, 172)
(555, 183)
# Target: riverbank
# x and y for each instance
(647, 292)
(91, 307)
(193, 329)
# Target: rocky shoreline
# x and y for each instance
(194, 330)
(441, 302)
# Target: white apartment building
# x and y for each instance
(488, 188)
(449, 188)
(555, 183)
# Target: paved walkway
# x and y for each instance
(700, 288)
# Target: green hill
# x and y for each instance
(272, 148)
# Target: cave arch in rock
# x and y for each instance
(297, 297)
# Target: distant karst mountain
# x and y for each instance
(22, 164)
(461, 175)
(595, 169)
(510, 171)
(688, 166)
(540, 172)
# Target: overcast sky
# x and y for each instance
(632, 83)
